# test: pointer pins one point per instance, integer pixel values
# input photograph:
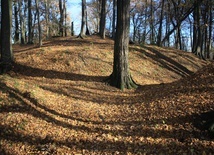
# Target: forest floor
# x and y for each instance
(54, 101)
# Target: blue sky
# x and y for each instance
(74, 11)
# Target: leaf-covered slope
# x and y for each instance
(94, 57)
(54, 101)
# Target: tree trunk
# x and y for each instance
(160, 26)
(22, 23)
(113, 21)
(6, 45)
(61, 20)
(152, 35)
(197, 32)
(65, 13)
(210, 28)
(16, 39)
(30, 36)
(72, 28)
(39, 25)
(103, 19)
(47, 18)
(121, 77)
(83, 24)
(145, 24)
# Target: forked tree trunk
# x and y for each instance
(121, 77)
(6, 48)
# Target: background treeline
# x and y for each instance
(34, 18)
(182, 24)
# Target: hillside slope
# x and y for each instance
(55, 101)
(94, 57)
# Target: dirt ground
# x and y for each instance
(55, 101)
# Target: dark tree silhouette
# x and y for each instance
(30, 34)
(103, 19)
(6, 47)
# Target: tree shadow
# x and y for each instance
(31, 106)
(205, 122)
(51, 74)
(163, 60)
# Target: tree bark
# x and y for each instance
(121, 77)
(197, 32)
(39, 25)
(83, 24)
(65, 14)
(160, 26)
(16, 39)
(151, 24)
(6, 45)
(210, 28)
(61, 20)
(30, 36)
(113, 20)
(21, 21)
(103, 19)
(47, 18)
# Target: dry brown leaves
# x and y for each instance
(55, 101)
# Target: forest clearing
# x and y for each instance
(55, 101)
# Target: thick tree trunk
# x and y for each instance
(121, 77)
(6, 45)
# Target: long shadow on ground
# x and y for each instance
(163, 60)
(51, 74)
(31, 106)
